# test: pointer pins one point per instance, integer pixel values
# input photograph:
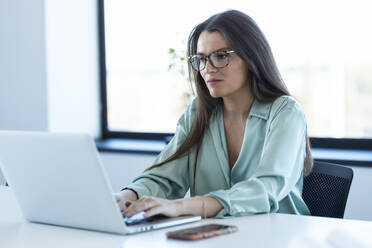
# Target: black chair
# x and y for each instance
(326, 189)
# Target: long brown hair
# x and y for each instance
(248, 41)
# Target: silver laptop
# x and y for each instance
(58, 179)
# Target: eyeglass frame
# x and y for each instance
(207, 57)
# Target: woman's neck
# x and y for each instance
(238, 106)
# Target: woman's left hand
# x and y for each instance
(153, 206)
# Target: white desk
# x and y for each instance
(266, 230)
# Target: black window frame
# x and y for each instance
(364, 144)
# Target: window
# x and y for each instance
(322, 49)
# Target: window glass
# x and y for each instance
(322, 48)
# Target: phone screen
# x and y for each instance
(202, 232)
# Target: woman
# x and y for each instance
(241, 146)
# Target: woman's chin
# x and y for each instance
(215, 93)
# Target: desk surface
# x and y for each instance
(265, 230)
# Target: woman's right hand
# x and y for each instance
(123, 196)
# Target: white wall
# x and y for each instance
(49, 81)
(23, 97)
(49, 65)
(359, 204)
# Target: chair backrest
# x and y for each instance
(326, 189)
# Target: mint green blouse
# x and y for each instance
(267, 176)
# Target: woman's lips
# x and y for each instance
(213, 82)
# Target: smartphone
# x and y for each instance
(201, 232)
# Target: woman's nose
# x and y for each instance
(209, 67)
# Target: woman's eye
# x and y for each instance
(202, 59)
(221, 56)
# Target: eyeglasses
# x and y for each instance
(218, 59)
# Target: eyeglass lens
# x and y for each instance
(217, 59)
